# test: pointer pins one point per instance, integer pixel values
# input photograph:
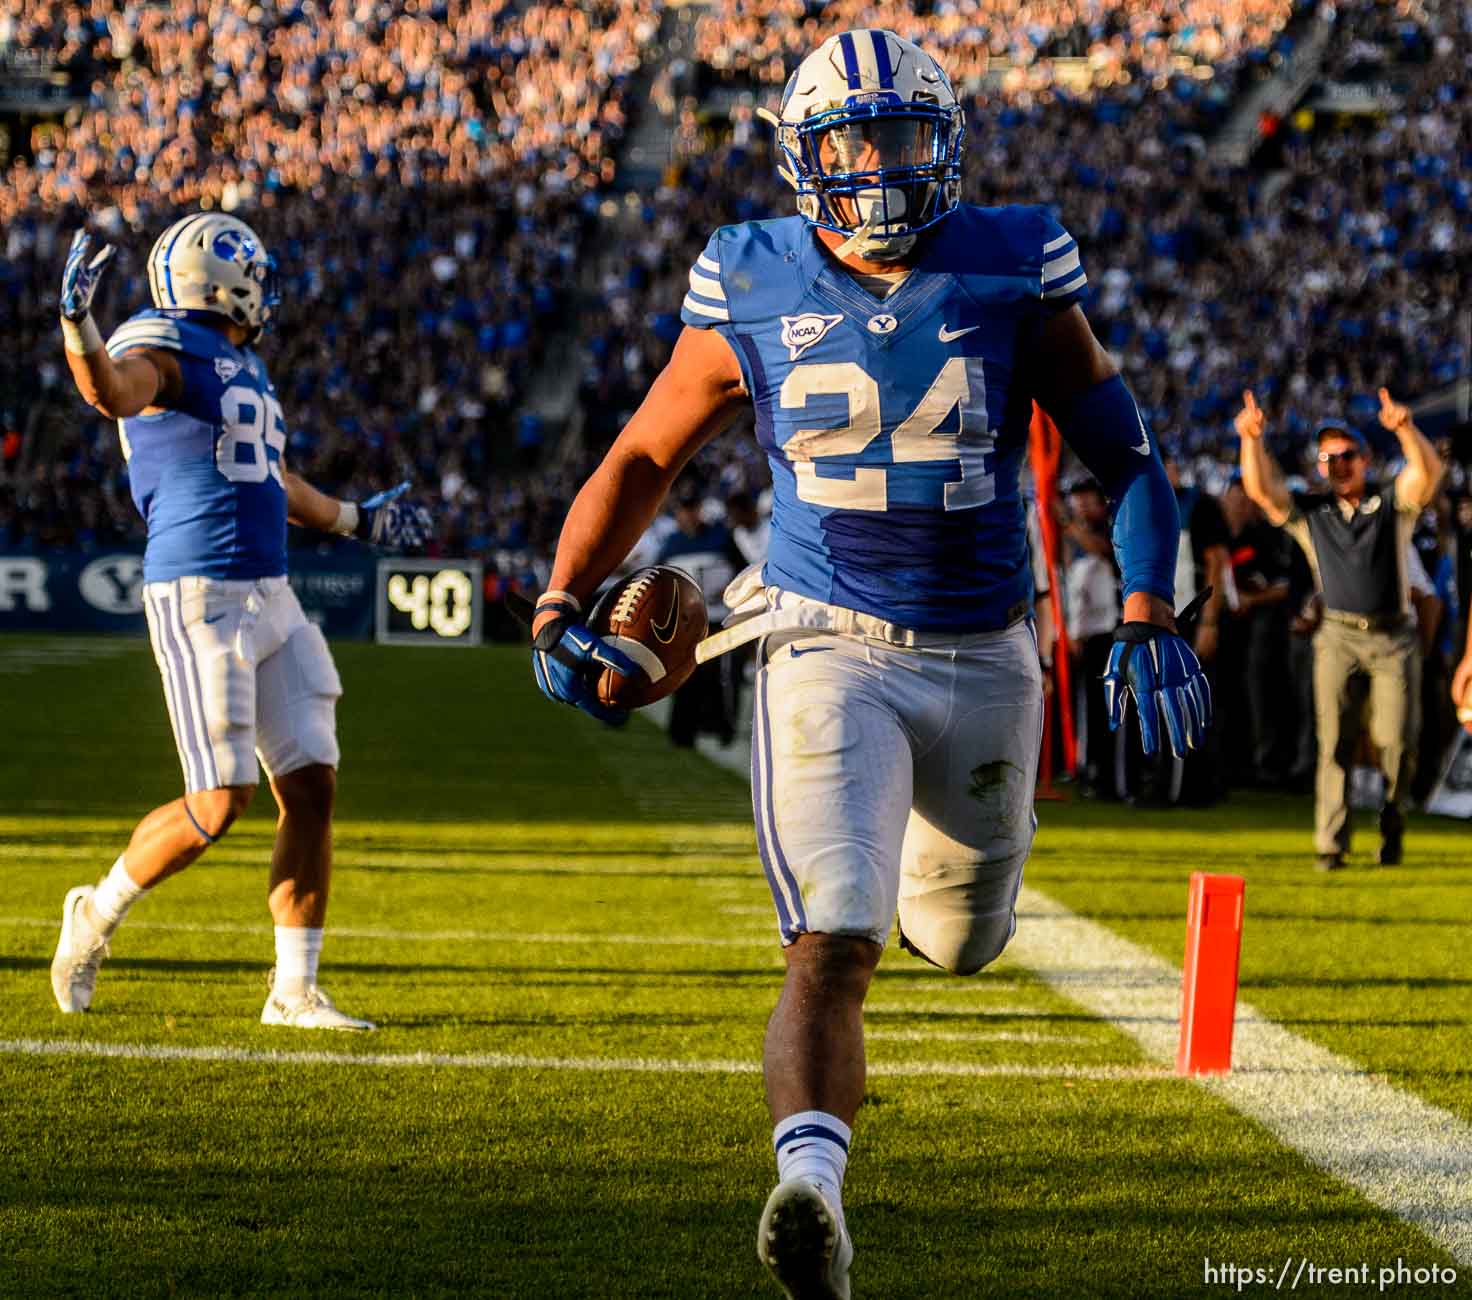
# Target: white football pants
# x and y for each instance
(887, 777)
(244, 672)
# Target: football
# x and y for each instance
(657, 617)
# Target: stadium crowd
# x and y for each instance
(465, 154)
(453, 151)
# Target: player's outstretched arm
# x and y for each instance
(384, 519)
(118, 389)
(1094, 411)
(1261, 478)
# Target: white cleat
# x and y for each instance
(313, 1010)
(803, 1243)
(79, 952)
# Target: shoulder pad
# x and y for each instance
(1022, 243)
(748, 272)
(154, 329)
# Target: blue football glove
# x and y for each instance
(386, 520)
(1161, 671)
(81, 277)
(567, 658)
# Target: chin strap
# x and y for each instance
(853, 244)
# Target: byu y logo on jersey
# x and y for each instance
(801, 332)
(226, 368)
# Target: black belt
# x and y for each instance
(1368, 622)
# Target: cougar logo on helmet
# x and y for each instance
(871, 138)
(213, 262)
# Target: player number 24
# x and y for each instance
(252, 420)
(960, 383)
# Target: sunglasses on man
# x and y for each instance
(1338, 457)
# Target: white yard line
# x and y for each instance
(1404, 1154)
(765, 939)
(969, 1036)
(581, 1064)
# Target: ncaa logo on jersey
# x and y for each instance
(882, 324)
(801, 332)
(113, 584)
(226, 369)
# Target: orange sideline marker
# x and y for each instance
(1213, 948)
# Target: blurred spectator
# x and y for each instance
(1094, 609)
(1254, 651)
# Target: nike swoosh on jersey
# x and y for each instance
(946, 335)
(665, 632)
(1144, 447)
(216, 617)
(811, 650)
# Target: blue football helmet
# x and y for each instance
(871, 138)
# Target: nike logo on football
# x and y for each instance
(665, 632)
(946, 335)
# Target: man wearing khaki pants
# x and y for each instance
(1355, 539)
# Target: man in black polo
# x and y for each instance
(1356, 539)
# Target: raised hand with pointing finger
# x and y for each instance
(1250, 420)
(1393, 415)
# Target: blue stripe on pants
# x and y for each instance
(765, 810)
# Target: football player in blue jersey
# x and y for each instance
(244, 672)
(891, 341)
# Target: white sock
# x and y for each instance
(114, 895)
(297, 950)
(814, 1145)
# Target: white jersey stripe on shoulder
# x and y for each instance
(706, 287)
(1060, 267)
(1058, 291)
(692, 304)
(708, 264)
(1054, 244)
(145, 331)
(117, 345)
(153, 329)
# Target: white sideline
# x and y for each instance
(584, 1064)
(765, 939)
(1407, 1156)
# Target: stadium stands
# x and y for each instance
(467, 154)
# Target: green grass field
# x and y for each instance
(517, 886)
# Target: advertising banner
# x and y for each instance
(77, 591)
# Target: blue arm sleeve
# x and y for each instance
(1106, 430)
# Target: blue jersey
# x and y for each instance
(206, 475)
(895, 427)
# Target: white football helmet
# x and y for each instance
(872, 137)
(212, 262)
